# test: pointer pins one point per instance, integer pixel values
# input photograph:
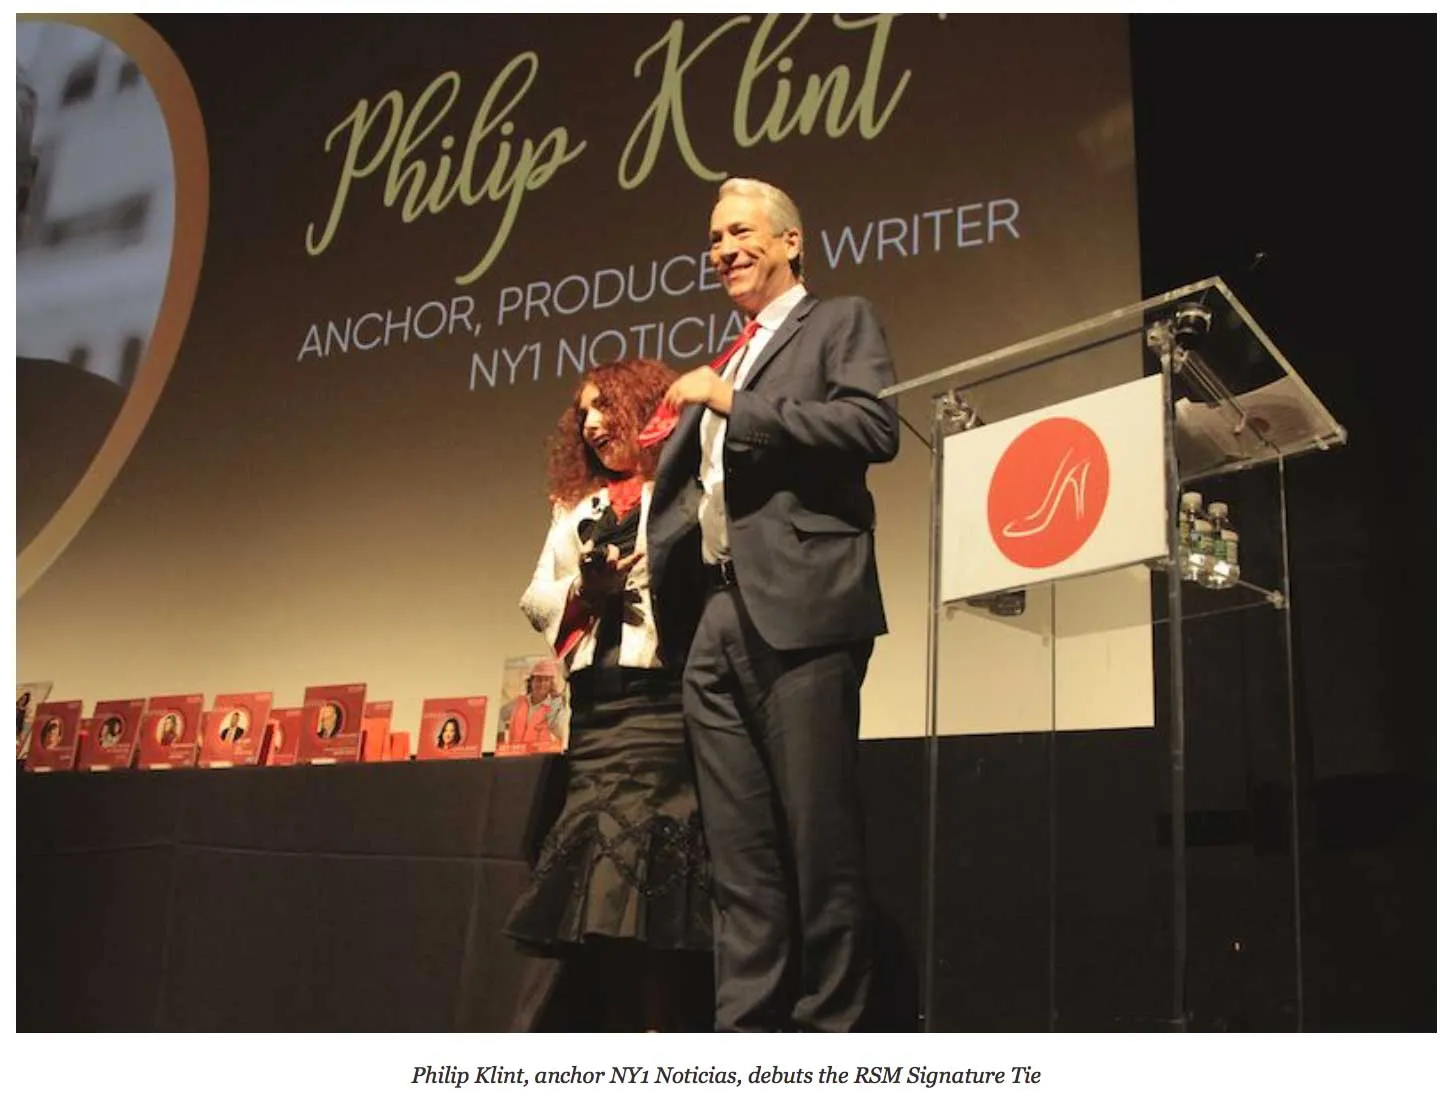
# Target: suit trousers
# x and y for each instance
(774, 736)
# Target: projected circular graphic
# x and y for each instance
(111, 215)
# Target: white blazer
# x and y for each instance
(544, 601)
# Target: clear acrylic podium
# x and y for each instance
(1132, 662)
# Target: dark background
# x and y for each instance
(1295, 158)
(1311, 141)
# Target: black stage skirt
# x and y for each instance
(626, 857)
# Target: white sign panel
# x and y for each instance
(1076, 488)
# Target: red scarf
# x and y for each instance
(625, 495)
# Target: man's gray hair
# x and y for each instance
(782, 211)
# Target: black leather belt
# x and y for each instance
(598, 684)
(720, 575)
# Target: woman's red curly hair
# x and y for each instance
(630, 391)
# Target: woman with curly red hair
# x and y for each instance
(620, 891)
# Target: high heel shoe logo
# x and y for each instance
(1048, 492)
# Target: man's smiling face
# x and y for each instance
(753, 262)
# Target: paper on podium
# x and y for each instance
(1209, 436)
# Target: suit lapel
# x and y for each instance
(680, 456)
(779, 340)
(685, 439)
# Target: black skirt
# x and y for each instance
(626, 857)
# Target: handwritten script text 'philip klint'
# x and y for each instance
(405, 152)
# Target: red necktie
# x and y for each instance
(663, 420)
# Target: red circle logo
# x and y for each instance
(1048, 492)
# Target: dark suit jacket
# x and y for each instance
(805, 425)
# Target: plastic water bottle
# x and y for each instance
(1199, 552)
(1191, 510)
(1232, 548)
(1219, 572)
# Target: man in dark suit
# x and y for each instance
(761, 550)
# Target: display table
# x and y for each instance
(309, 898)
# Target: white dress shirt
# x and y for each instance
(712, 513)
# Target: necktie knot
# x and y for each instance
(748, 331)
